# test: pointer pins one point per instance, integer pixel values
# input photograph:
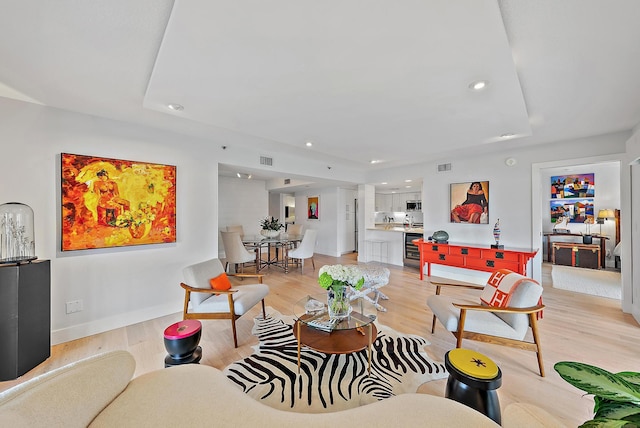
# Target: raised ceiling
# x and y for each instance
(361, 79)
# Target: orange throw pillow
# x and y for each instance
(500, 287)
(220, 282)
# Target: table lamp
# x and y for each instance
(603, 215)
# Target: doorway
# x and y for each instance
(607, 193)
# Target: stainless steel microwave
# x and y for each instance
(414, 206)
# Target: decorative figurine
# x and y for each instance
(440, 237)
(496, 235)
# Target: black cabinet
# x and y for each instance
(25, 317)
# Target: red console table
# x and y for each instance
(472, 256)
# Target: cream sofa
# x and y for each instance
(99, 392)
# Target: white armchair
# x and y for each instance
(507, 325)
(201, 301)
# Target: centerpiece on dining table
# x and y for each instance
(270, 227)
(338, 280)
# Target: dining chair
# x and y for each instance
(306, 249)
(235, 251)
(294, 229)
(202, 301)
(236, 228)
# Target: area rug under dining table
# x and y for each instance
(329, 383)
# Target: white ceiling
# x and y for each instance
(361, 79)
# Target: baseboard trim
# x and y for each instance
(117, 321)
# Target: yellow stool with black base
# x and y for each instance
(473, 380)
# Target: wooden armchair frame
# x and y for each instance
(486, 338)
(231, 315)
(449, 283)
(520, 344)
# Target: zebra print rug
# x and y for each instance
(329, 383)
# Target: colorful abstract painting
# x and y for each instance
(313, 207)
(577, 211)
(114, 203)
(573, 186)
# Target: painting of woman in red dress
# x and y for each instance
(474, 208)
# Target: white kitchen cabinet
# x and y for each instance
(384, 202)
(398, 200)
(394, 202)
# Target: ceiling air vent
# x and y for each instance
(266, 161)
(287, 181)
(444, 167)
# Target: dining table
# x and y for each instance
(276, 249)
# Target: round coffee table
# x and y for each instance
(352, 334)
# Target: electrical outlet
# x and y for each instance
(74, 306)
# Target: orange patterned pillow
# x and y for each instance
(500, 287)
(220, 282)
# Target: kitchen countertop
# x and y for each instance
(392, 228)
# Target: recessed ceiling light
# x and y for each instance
(407, 181)
(309, 144)
(478, 85)
(175, 107)
(384, 182)
(507, 136)
(374, 161)
(243, 175)
(408, 187)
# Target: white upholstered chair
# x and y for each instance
(236, 228)
(203, 302)
(235, 251)
(467, 318)
(306, 249)
(294, 229)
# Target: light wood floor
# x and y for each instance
(575, 327)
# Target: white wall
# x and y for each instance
(242, 202)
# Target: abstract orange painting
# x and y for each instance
(114, 203)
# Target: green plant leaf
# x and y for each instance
(606, 423)
(631, 377)
(597, 381)
(608, 409)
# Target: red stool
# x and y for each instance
(181, 342)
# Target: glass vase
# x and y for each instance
(17, 240)
(338, 302)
